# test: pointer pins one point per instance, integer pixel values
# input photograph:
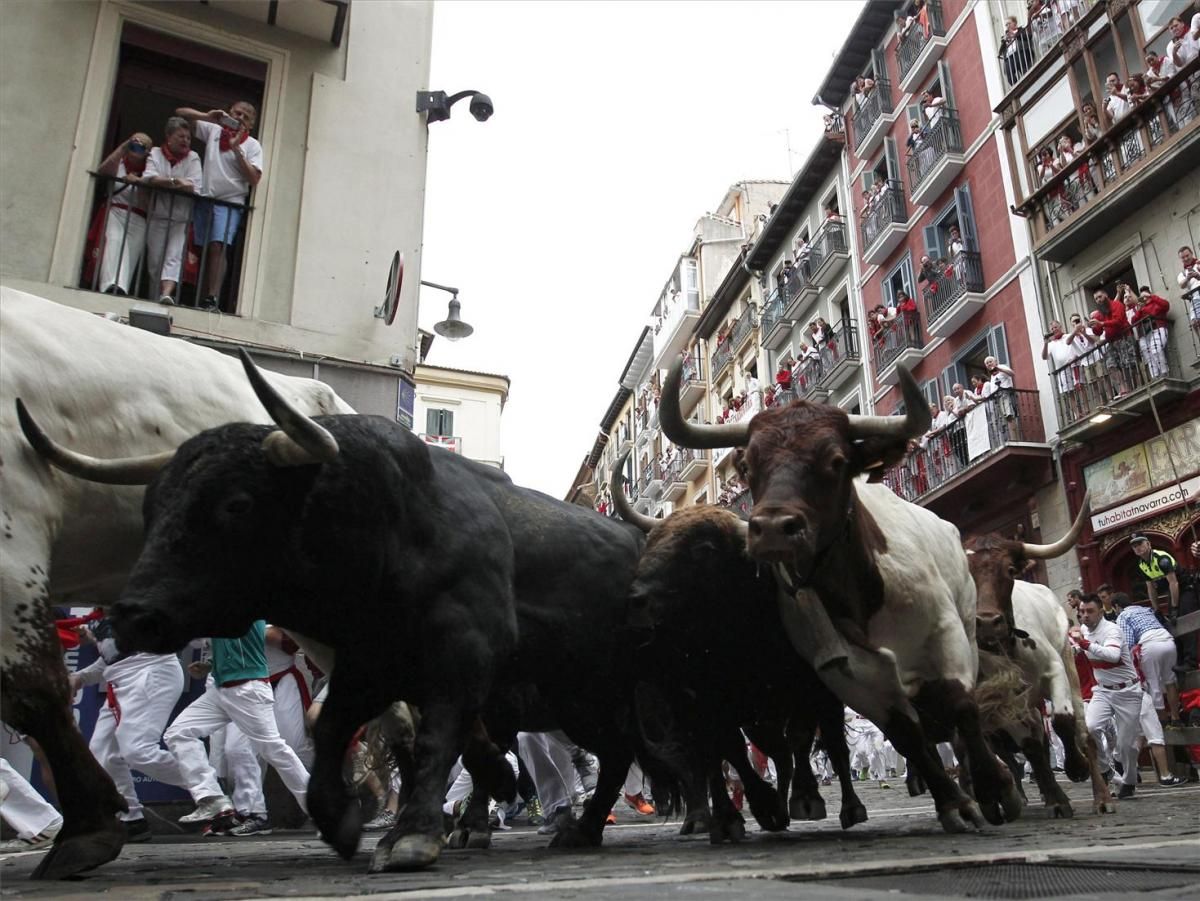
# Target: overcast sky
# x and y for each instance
(617, 126)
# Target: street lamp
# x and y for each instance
(436, 105)
(452, 328)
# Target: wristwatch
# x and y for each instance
(172, 181)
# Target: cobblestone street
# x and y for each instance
(1152, 842)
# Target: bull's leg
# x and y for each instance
(998, 797)
(833, 733)
(1036, 751)
(1102, 799)
(806, 802)
(491, 777)
(354, 699)
(913, 779)
(1075, 761)
(588, 830)
(36, 701)
(956, 811)
(772, 740)
(727, 823)
(769, 810)
(415, 841)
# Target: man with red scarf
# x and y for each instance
(176, 167)
(233, 164)
(1150, 324)
(125, 221)
(1113, 321)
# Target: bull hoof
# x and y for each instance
(732, 830)
(770, 813)
(345, 834)
(952, 821)
(916, 786)
(852, 814)
(572, 836)
(807, 808)
(992, 812)
(461, 838)
(696, 823)
(411, 852)
(1012, 804)
(1060, 810)
(479, 840)
(1102, 807)
(79, 853)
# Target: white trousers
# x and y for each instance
(1121, 707)
(249, 706)
(1149, 724)
(866, 747)
(146, 688)
(22, 807)
(461, 783)
(550, 767)
(164, 250)
(124, 240)
(1154, 351)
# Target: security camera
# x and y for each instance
(481, 107)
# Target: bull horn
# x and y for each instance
(300, 441)
(621, 502)
(1064, 544)
(912, 425)
(688, 434)
(122, 471)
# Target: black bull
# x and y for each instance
(433, 577)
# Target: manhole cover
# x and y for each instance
(1025, 880)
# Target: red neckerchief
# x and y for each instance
(172, 158)
(227, 142)
(1156, 65)
(139, 168)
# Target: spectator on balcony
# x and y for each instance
(1117, 104)
(1189, 283)
(1041, 20)
(1136, 89)
(1185, 41)
(174, 166)
(124, 236)
(1123, 356)
(1015, 50)
(981, 388)
(904, 26)
(1150, 324)
(233, 165)
(906, 313)
(928, 275)
(802, 253)
(932, 106)
(861, 88)
(1089, 123)
(1058, 203)
(1060, 351)
(1001, 378)
(920, 148)
(1159, 70)
(783, 378)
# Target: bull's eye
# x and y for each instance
(836, 463)
(235, 506)
(1012, 571)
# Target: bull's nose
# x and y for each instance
(991, 625)
(786, 526)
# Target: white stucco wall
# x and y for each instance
(477, 401)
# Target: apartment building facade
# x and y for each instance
(460, 410)
(342, 189)
(1116, 210)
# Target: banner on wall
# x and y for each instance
(1149, 505)
(1144, 467)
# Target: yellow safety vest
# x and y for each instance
(1151, 570)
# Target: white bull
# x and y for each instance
(110, 391)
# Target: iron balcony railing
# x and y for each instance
(1114, 369)
(1007, 416)
(894, 337)
(963, 275)
(800, 277)
(1020, 50)
(883, 209)
(816, 373)
(934, 142)
(746, 323)
(910, 45)
(722, 357)
(829, 239)
(682, 458)
(876, 104)
(773, 311)
(1131, 144)
(142, 236)
(651, 473)
(835, 127)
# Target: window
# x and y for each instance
(958, 214)
(439, 422)
(899, 279)
(691, 284)
(156, 74)
(990, 343)
(930, 390)
(1117, 272)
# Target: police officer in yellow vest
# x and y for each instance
(1161, 572)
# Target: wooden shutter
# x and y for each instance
(998, 343)
(947, 88)
(893, 158)
(966, 216)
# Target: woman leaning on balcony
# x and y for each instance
(124, 236)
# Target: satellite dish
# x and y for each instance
(391, 299)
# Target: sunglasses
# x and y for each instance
(136, 147)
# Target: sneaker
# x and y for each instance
(1172, 780)
(534, 808)
(209, 303)
(385, 819)
(883, 784)
(555, 821)
(255, 824)
(1125, 793)
(36, 843)
(167, 300)
(137, 831)
(640, 804)
(222, 825)
(208, 809)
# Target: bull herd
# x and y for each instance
(493, 608)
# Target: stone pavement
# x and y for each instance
(902, 842)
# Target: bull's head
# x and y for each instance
(208, 501)
(800, 462)
(996, 563)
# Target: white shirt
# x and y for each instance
(172, 206)
(127, 194)
(1185, 50)
(1111, 663)
(1000, 379)
(1061, 352)
(223, 176)
(1189, 279)
(1117, 107)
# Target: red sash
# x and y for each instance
(301, 683)
(113, 704)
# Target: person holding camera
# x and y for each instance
(233, 163)
(125, 221)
